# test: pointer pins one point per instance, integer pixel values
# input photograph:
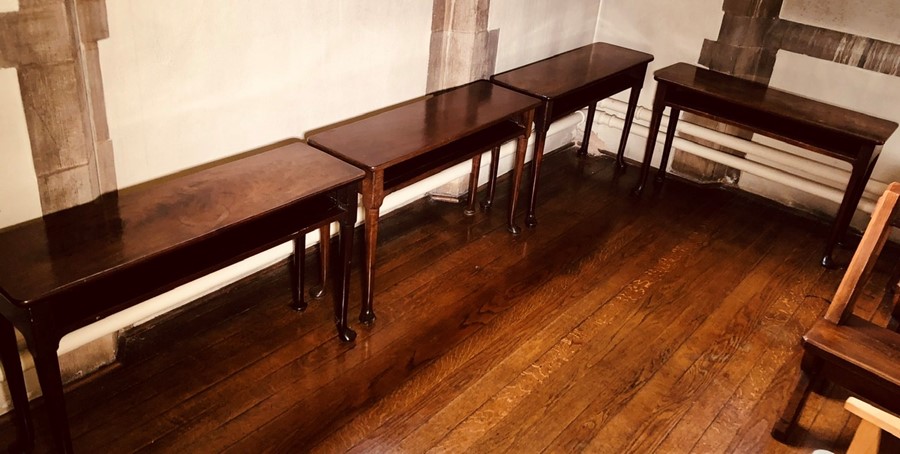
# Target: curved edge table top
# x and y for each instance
(46, 255)
(778, 103)
(397, 135)
(557, 75)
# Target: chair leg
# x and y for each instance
(894, 322)
(809, 379)
(891, 297)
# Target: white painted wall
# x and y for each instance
(854, 88)
(19, 197)
(847, 86)
(537, 29)
(191, 82)
(873, 18)
(670, 31)
(9, 5)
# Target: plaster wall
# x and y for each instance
(858, 89)
(872, 18)
(19, 198)
(854, 88)
(537, 29)
(192, 82)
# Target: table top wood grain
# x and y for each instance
(45, 256)
(776, 103)
(572, 70)
(400, 134)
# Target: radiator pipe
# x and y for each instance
(738, 163)
(816, 168)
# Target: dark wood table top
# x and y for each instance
(45, 256)
(397, 135)
(777, 103)
(572, 70)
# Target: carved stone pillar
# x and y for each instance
(462, 51)
(742, 49)
(53, 46)
(462, 48)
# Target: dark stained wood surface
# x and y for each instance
(823, 128)
(665, 324)
(400, 134)
(765, 109)
(406, 144)
(45, 256)
(69, 269)
(874, 349)
(573, 70)
(845, 349)
(573, 80)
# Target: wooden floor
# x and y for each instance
(664, 324)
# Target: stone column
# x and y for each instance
(462, 50)
(844, 48)
(53, 46)
(742, 49)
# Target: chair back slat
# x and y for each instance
(864, 258)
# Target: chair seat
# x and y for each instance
(864, 350)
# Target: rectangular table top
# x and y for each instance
(572, 70)
(46, 255)
(397, 135)
(777, 103)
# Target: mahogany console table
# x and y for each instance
(822, 128)
(71, 268)
(401, 146)
(570, 81)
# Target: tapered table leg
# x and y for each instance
(542, 123)
(324, 255)
(667, 145)
(345, 252)
(521, 148)
(492, 179)
(367, 313)
(473, 185)
(46, 363)
(588, 123)
(859, 175)
(659, 105)
(629, 119)
(297, 262)
(15, 379)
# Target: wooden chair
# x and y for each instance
(859, 355)
(871, 435)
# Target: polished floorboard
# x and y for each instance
(669, 323)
